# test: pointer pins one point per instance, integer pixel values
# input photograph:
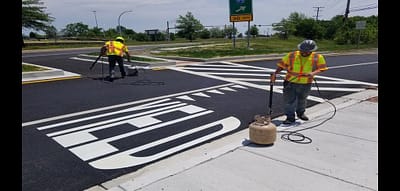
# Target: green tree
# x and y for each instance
(331, 27)
(309, 28)
(215, 32)
(141, 37)
(188, 26)
(111, 33)
(172, 36)
(253, 31)
(229, 31)
(51, 32)
(348, 34)
(288, 26)
(205, 34)
(96, 32)
(371, 31)
(130, 34)
(76, 30)
(34, 16)
(123, 30)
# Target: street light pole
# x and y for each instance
(95, 18)
(119, 21)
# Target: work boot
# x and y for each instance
(112, 76)
(288, 121)
(303, 117)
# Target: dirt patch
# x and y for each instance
(373, 99)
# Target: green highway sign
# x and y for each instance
(240, 10)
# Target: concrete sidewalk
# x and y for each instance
(342, 156)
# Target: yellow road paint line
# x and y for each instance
(49, 80)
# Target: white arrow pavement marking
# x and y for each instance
(228, 89)
(102, 147)
(239, 86)
(84, 136)
(126, 158)
(201, 94)
(185, 97)
(215, 91)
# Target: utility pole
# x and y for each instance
(95, 18)
(316, 18)
(168, 31)
(346, 14)
(234, 35)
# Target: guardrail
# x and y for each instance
(47, 43)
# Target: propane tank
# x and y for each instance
(262, 130)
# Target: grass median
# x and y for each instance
(32, 68)
(256, 46)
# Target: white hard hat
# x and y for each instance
(307, 46)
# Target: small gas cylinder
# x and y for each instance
(262, 130)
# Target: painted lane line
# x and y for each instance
(120, 105)
(136, 108)
(351, 65)
(83, 136)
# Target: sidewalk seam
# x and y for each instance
(310, 170)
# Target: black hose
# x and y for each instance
(295, 136)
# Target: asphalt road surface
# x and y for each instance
(82, 132)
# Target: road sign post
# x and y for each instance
(360, 25)
(241, 10)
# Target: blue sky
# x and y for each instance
(154, 14)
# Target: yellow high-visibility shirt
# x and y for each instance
(297, 65)
(115, 48)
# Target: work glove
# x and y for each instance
(273, 78)
(310, 75)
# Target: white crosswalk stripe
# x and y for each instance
(258, 77)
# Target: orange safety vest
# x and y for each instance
(115, 48)
(297, 65)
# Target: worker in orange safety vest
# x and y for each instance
(301, 66)
(115, 50)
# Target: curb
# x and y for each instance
(45, 73)
(49, 74)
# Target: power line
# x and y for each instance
(371, 6)
(316, 17)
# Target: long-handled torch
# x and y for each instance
(262, 130)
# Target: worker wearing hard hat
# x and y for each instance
(301, 66)
(115, 50)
